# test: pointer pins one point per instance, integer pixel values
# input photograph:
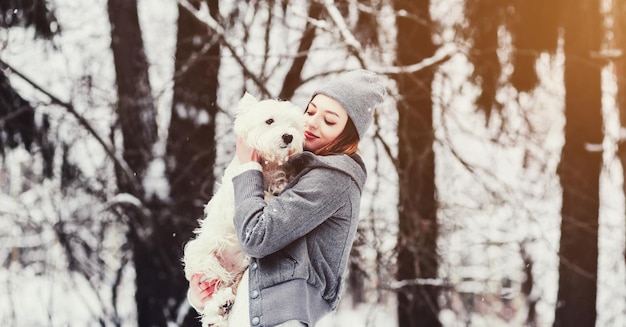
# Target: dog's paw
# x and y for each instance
(220, 323)
(225, 308)
(215, 320)
(216, 310)
(217, 324)
(226, 298)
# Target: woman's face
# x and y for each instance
(325, 120)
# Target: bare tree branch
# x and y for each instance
(13, 114)
(293, 76)
(203, 16)
(442, 55)
(81, 120)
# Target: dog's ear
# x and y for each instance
(246, 102)
(245, 105)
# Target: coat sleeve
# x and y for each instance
(264, 228)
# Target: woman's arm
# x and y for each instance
(264, 228)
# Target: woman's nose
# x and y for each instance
(311, 122)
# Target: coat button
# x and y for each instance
(255, 294)
(255, 321)
(253, 266)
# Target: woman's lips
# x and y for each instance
(309, 136)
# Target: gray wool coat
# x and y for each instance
(299, 242)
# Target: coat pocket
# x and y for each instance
(288, 265)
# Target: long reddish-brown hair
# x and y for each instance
(346, 143)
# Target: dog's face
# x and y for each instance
(274, 128)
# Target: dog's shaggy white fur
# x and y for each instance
(276, 130)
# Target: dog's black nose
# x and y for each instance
(287, 138)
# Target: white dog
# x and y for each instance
(276, 130)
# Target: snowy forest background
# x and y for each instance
(495, 194)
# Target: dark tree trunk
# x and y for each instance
(418, 229)
(293, 79)
(190, 149)
(135, 107)
(150, 240)
(17, 117)
(484, 18)
(580, 166)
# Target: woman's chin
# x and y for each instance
(310, 147)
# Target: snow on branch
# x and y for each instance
(337, 18)
(141, 223)
(396, 285)
(126, 198)
(443, 54)
(203, 15)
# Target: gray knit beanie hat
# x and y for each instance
(358, 92)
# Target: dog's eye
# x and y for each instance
(269, 121)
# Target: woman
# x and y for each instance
(299, 242)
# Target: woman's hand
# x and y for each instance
(200, 291)
(245, 153)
